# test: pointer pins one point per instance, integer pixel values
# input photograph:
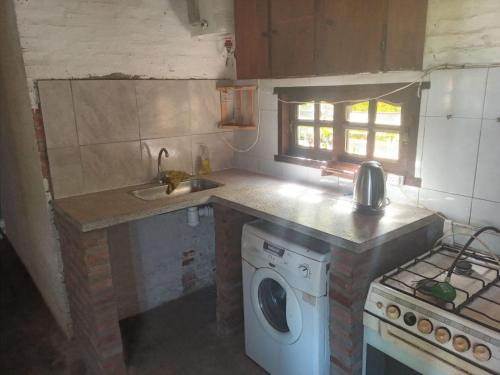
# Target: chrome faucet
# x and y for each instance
(162, 177)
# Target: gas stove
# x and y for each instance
(462, 335)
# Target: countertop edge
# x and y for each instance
(218, 197)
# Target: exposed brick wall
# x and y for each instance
(159, 259)
(40, 141)
(92, 299)
(122, 269)
(228, 228)
(350, 279)
(94, 307)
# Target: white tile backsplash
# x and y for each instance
(111, 165)
(58, 114)
(447, 150)
(455, 207)
(450, 154)
(66, 171)
(403, 194)
(459, 93)
(105, 111)
(492, 99)
(121, 127)
(487, 184)
(220, 154)
(271, 169)
(424, 101)
(163, 108)
(204, 103)
(485, 213)
(420, 146)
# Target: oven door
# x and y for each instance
(391, 350)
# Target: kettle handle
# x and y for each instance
(386, 203)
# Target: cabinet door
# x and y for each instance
(292, 39)
(252, 38)
(349, 36)
(406, 20)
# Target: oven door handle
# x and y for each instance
(430, 353)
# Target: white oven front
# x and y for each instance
(390, 350)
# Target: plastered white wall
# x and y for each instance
(23, 199)
(95, 38)
(462, 31)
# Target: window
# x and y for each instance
(313, 129)
(324, 125)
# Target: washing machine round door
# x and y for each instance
(276, 306)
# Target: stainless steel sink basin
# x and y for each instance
(185, 187)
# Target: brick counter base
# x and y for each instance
(350, 278)
(93, 304)
(228, 228)
(91, 296)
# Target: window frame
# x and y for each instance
(315, 153)
(408, 98)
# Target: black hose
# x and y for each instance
(467, 244)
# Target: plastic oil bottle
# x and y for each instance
(204, 159)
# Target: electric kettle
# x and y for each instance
(369, 195)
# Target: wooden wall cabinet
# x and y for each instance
(252, 23)
(292, 38)
(297, 38)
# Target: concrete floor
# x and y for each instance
(31, 342)
(180, 338)
(176, 338)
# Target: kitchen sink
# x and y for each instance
(185, 187)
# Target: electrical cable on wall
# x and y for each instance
(418, 81)
(235, 149)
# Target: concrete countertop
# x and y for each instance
(314, 211)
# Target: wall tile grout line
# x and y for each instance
(479, 143)
(138, 118)
(84, 179)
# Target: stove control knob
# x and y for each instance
(442, 335)
(481, 352)
(392, 312)
(410, 319)
(460, 343)
(425, 326)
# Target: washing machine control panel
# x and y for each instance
(301, 271)
(274, 250)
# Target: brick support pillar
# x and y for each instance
(350, 278)
(228, 229)
(87, 273)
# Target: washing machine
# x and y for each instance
(285, 298)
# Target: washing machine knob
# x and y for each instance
(304, 269)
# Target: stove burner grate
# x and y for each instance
(423, 289)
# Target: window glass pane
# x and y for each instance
(326, 138)
(305, 136)
(386, 145)
(325, 112)
(356, 141)
(306, 111)
(388, 114)
(357, 112)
